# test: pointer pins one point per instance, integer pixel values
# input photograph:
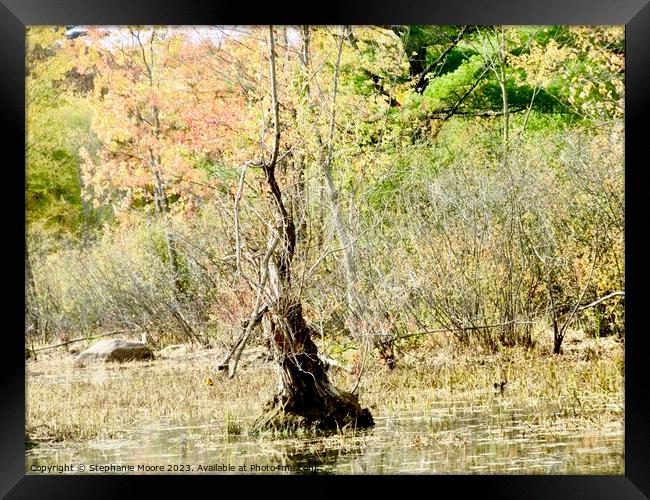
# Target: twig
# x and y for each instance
(362, 368)
(584, 290)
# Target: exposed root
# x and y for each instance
(334, 413)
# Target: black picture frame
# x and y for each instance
(16, 14)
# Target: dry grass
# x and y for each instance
(110, 401)
(107, 401)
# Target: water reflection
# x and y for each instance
(485, 436)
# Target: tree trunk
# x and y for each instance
(557, 336)
(162, 209)
(355, 301)
(305, 395)
(503, 82)
(160, 197)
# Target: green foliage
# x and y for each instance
(57, 125)
(53, 190)
(445, 90)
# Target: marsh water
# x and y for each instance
(479, 433)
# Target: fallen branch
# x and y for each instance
(81, 340)
(443, 330)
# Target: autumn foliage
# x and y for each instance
(479, 171)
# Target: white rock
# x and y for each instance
(115, 350)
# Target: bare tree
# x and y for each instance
(305, 396)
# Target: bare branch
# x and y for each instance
(609, 296)
(255, 314)
(240, 189)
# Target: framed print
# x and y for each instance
(388, 241)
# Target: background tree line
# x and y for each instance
(461, 178)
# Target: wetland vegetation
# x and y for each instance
(352, 249)
(438, 411)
